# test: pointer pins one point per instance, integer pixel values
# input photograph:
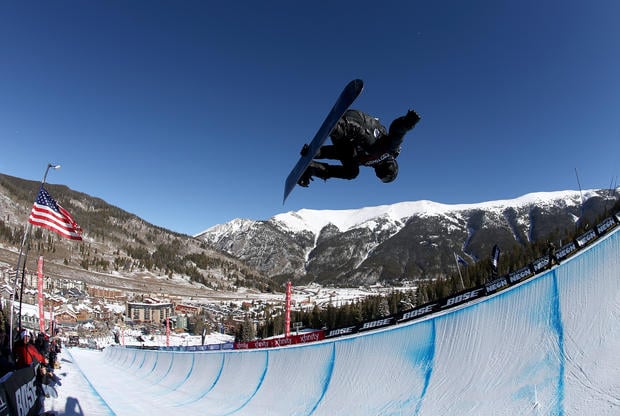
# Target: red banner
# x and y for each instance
(287, 319)
(281, 342)
(40, 296)
(167, 332)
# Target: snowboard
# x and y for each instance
(344, 101)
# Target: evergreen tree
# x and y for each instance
(246, 331)
(384, 308)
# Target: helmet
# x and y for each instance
(387, 170)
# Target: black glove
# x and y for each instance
(411, 119)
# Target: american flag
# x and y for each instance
(48, 214)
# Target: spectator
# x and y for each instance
(6, 360)
(551, 252)
(26, 354)
(53, 354)
(43, 344)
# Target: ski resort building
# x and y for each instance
(149, 311)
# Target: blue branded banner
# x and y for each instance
(418, 312)
(461, 297)
(21, 393)
(541, 263)
(566, 250)
(377, 323)
(520, 274)
(336, 332)
(607, 224)
(496, 285)
(586, 238)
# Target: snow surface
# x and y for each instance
(548, 346)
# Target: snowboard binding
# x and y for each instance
(304, 150)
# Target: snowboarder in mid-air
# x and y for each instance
(360, 139)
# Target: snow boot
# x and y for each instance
(317, 169)
(304, 150)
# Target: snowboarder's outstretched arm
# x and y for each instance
(399, 127)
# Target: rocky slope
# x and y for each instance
(405, 241)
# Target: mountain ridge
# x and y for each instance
(411, 240)
(407, 240)
(119, 249)
(309, 218)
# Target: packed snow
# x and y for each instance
(548, 346)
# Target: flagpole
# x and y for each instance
(459, 269)
(19, 260)
(21, 288)
(581, 196)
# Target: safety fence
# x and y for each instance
(534, 268)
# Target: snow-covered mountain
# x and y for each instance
(408, 240)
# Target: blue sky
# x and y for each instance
(190, 114)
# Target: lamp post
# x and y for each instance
(19, 260)
(49, 166)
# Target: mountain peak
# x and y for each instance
(345, 219)
(406, 240)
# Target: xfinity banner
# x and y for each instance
(282, 341)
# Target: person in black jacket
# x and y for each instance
(360, 139)
(7, 362)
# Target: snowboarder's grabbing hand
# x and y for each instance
(360, 139)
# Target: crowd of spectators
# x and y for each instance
(38, 352)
